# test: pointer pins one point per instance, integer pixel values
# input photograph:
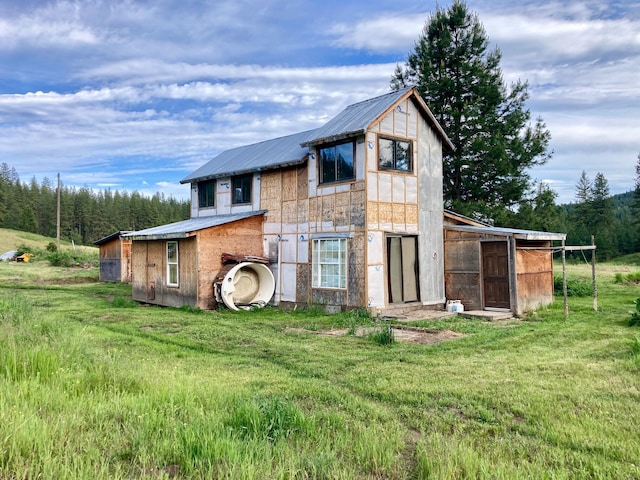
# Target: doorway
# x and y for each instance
(402, 271)
(495, 274)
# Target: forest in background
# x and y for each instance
(86, 215)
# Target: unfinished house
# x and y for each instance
(501, 269)
(348, 215)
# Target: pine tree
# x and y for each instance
(461, 81)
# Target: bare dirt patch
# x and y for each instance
(419, 335)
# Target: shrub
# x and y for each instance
(633, 278)
(576, 287)
(69, 258)
(52, 247)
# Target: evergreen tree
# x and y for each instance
(461, 81)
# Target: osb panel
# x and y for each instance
(303, 211)
(533, 261)
(328, 208)
(270, 195)
(303, 286)
(399, 214)
(464, 287)
(303, 182)
(313, 209)
(357, 209)
(357, 271)
(333, 298)
(289, 212)
(385, 212)
(461, 256)
(360, 185)
(342, 209)
(289, 184)
(411, 214)
(372, 213)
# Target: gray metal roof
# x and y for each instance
(510, 232)
(184, 228)
(278, 152)
(356, 118)
(108, 238)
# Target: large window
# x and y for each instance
(207, 194)
(336, 162)
(395, 154)
(172, 264)
(330, 263)
(241, 189)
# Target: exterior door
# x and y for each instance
(402, 271)
(495, 274)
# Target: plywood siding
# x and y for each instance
(534, 275)
(462, 268)
(243, 237)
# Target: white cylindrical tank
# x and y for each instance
(247, 285)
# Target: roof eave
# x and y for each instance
(334, 138)
(290, 163)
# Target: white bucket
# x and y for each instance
(455, 306)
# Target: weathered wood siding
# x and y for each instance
(149, 279)
(115, 260)
(462, 268)
(534, 275)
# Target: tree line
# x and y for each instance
(86, 215)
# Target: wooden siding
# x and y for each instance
(115, 260)
(199, 260)
(534, 275)
(462, 268)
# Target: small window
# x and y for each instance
(336, 162)
(330, 263)
(172, 264)
(395, 155)
(207, 194)
(241, 189)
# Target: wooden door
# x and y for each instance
(402, 271)
(495, 274)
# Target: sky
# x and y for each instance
(136, 94)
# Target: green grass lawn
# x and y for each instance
(93, 386)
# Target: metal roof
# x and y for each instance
(510, 232)
(108, 238)
(185, 228)
(356, 118)
(278, 152)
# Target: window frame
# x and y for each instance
(240, 178)
(202, 188)
(171, 264)
(321, 170)
(321, 267)
(395, 141)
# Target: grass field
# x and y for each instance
(93, 386)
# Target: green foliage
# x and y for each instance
(634, 321)
(123, 302)
(86, 215)
(383, 335)
(52, 247)
(633, 277)
(488, 122)
(576, 287)
(71, 258)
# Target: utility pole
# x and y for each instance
(58, 216)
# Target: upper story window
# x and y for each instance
(241, 189)
(207, 194)
(395, 154)
(336, 162)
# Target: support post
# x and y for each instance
(58, 216)
(564, 280)
(593, 274)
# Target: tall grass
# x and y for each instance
(92, 390)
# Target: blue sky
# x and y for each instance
(135, 95)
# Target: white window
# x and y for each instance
(330, 263)
(172, 264)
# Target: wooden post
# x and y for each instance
(593, 274)
(58, 216)
(564, 280)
